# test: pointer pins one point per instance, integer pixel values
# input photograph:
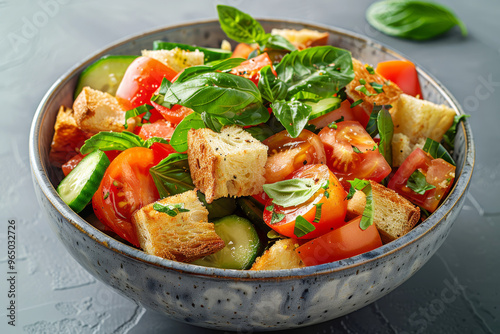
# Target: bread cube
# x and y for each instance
(176, 58)
(402, 147)
(229, 163)
(303, 38)
(281, 255)
(185, 237)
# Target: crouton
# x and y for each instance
(281, 255)
(417, 118)
(229, 163)
(185, 237)
(303, 38)
(394, 215)
(176, 58)
(97, 111)
(68, 138)
(390, 94)
(402, 147)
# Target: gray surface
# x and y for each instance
(55, 294)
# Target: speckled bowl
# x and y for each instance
(231, 299)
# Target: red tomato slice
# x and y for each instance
(141, 80)
(287, 154)
(344, 242)
(174, 115)
(403, 73)
(160, 128)
(342, 159)
(161, 151)
(333, 209)
(242, 50)
(438, 173)
(250, 68)
(343, 111)
(126, 187)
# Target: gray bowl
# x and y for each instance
(232, 299)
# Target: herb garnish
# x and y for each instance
(120, 141)
(170, 209)
(302, 227)
(368, 213)
(418, 183)
(292, 192)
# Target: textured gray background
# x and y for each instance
(56, 295)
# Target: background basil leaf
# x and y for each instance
(179, 137)
(240, 26)
(292, 114)
(386, 131)
(418, 20)
(107, 141)
(436, 150)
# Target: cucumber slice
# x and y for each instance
(210, 54)
(78, 187)
(105, 74)
(324, 106)
(242, 244)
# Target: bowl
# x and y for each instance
(231, 299)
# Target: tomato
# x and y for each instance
(403, 73)
(73, 162)
(287, 154)
(242, 50)
(160, 128)
(347, 164)
(250, 68)
(161, 151)
(174, 115)
(126, 187)
(438, 173)
(343, 111)
(333, 209)
(261, 198)
(141, 79)
(346, 241)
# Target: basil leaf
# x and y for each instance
(418, 20)
(321, 70)
(436, 150)
(107, 141)
(368, 213)
(364, 90)
(144, 109)
(276, 217)
(356, 184)
(418, 183)
(152, 140)
(302, 227)
(372, 126)
(355, 103)
(370, 69)
(271, 88)
(292, 114)
(170, 209)
(260, 132)
(240, 26)
(379, 88)
(278, 42)
(292, 192)
(179, 137)
(211, 122)
(449, 136)
(386, 131)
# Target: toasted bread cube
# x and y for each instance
(394, 215)
(281, 255)
(68, 137)
(176, 58)
(303, 38)
(389, 96)
(97, 111)
(402, 147)
(417, 118)
(229, 163)
(185, 237)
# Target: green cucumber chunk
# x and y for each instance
(242, 244)
(78, 187)
(104, 74)
(211, 54)
(323, 106)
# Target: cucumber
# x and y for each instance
(210, 54)
(242, 244)
(105, 74)
(324, 106)
(254, 212)
(78, 187)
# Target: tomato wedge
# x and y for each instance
(343, 112)
(403, 73)
(250, 68)
(242, 50)
(160, 128)
(174, 115)
(333, 207)
(126, 187)
(346, 241)
(352, 153)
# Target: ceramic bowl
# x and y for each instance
(231, 299)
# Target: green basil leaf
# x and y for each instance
(356, 184)
(418, 20)
(292, 114)
(179, 139)
(321, 70)
(379, 88)
(260, 132)
(370, 69)
(271, 88)
(144, 109)
(364, 90)
(278, 42)
(418, 183)
(372, 126)
(170, 209)
(449, 136)
(302, 227)
(107, 141)
(276, 217)
(211, 122)
(240, 26)
(317, 215)
(153, 140)
(436, 150)
(355, 103)
(386, 131)
(292, 192)
(368, 213)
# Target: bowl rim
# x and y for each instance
(40, 177)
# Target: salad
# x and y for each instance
(285, 152)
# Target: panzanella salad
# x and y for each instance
(283, 153)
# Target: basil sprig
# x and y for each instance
(436, 150)
(120, 141)
(368, 213)
(418, 183)
(418, 20)
(292, 192)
